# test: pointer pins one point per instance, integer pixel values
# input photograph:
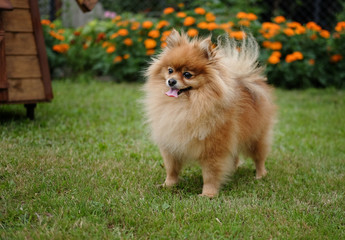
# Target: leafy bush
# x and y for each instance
(296, 55)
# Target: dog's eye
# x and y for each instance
(170, 70)
(187, 75)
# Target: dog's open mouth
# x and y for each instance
(174, 92)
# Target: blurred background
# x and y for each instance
(324, 12)
(302, 42)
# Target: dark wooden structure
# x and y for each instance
(24, 70)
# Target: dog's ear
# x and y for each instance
(207, 47)
(174, 39)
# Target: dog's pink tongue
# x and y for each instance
(172, 92)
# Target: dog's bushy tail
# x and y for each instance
(241, 57)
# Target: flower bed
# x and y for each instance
(296, 55)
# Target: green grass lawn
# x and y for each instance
(86, 169)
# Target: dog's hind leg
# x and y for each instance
(259, 154)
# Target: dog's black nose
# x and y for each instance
(172, 82)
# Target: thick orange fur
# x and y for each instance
(228, 110)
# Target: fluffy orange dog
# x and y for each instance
(209, 104)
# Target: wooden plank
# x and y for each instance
(23, 67)
(6, 5)
(20, 4)
(18, 20)
(25, 89)
(41, 48)
(3, 76)
(20, 44)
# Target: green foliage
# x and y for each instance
(122, 46)
(86, 169)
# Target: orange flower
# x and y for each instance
(336, 35)
(162, 24)
(181, 14)
(336, 58)
(300, 30)
(126, 56)
(165, 35)
(57, 36)
(135, 25)
(272, 45)
(266, 44)
(106, 44)
(313, 26)
(277, 54)
(279, 19)
(298, 55)
(294, 57)
(117, 59)
(225, 26)
(147, 24)
(313, 37)
(242, 15)
(269, 30)
(153, 34)
(188, 21)
(110, 49)
(276, 45)
(340, 27)
(117, 18)
(251, 16)
(180, 5)
(290, 58)
(123, 23)
(192, 32)
(85, 46)
(76, 33)
(293, 24)
(61, 48)
(211, 26)
(239, 35)
(325, 34)
(311, 61)
(168, 10)
(269, 25)
(273, 59)
(123, 32)
(200, 11)
(114, 35)
(150, 43)
(150, 52)
(100, 36)
(163, 44)
(289, 32)
(45, 22)
(210, 17)
(202, 25)
(128, 42)
(245, 23)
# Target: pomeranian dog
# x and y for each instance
(209, 104)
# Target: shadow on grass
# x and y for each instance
(10, 114)
(191, 183)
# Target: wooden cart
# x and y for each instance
(24, 69)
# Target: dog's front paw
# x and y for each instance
(209, 195)
(261, 174)
(170, 182)
(209, 191)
